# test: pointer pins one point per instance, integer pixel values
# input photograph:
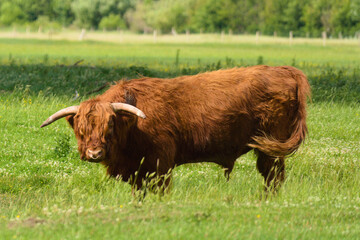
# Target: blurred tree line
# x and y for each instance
(303, 17)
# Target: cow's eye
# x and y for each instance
(110, 126)
(81, 133)
(110, 130)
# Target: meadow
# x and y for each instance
(47, 192)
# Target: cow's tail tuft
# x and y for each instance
(273, 147)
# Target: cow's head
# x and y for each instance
(94, 123)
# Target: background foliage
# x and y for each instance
(304, 17)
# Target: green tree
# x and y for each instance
(112, 22)
(317, 17)
(212, 15)
(35, 8)
(250, 12)
(89, 13)
(164, 15)
(282, 16)
(136, 17)
(346, 17)
(10, 12)
(62, 12)
(292, 18)
(273, 17)
(86, 12)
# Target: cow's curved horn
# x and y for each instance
(128, 108)
(60, 114)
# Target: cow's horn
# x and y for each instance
(128, 108)
(60, 114)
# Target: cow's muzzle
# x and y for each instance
(96, 155)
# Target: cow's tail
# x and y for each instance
(273, 147)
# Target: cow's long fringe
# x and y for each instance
(274, 147)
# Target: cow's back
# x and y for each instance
(209, 114)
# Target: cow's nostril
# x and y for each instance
(94, 154)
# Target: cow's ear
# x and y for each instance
(130, 98)
(70, 120)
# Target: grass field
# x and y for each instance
(47, 192)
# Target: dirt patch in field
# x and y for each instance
(30, 222)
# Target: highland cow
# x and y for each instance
(145, 127)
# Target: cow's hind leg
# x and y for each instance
(228, 169)
(272, 169)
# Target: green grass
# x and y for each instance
(31, 51)
(47, 192)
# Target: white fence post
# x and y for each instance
(82, 34)
(155, 36)
(324, 38)
(340, 35)
(173, 31)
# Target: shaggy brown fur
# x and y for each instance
(210, 117)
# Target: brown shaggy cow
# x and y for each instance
(210, 117)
